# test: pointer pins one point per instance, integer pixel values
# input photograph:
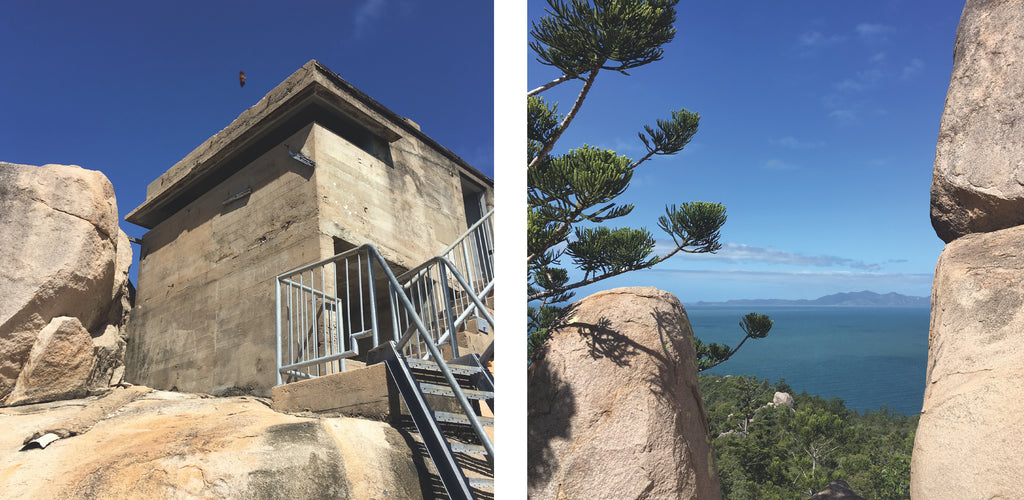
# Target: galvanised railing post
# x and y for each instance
(393, 305)
(470, 412)
(410, 311)
(452, 337)
(280, 338)
(373, 299)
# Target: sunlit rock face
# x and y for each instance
(978, 180)
(614, 406)
(969, 439)
(137, 443)
(63, 281)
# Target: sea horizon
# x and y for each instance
(868, 356)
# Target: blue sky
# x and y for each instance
(818, 131)
(130, 88)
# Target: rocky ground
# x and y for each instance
(138, 443)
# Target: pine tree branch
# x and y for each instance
(558, 235)
(552, 83)
(595, 279)
(641, 160)
(727, 356)
(548, 146)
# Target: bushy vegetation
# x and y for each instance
(775, 452)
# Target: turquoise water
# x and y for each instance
(867, 356)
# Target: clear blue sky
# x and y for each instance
(818, 131)
(130, 88)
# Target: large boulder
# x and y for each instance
(836, 490)
(63, 256)
(783, 399)
(59, 365)
(138, 444)
(614, 406)
(969, 439)
(978, 179)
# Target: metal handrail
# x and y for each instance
(397, 292)
(444, 261)
(436, 353)
(473, 250)
(486, 219)
(315, 313)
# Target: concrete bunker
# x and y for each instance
(316, 167)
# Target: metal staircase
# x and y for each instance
(331, 310)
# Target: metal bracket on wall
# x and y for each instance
(301, 158)
(237, 196)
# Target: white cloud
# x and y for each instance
(850, 85)
(815, 39)
(775, 164)
(864, 80)
(823, 282)
(912, 68)
(367, 14)
(794, 143)
(873, 32)
(877, 58)
(738, 252)
(844, 115)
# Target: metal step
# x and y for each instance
(473, 449)
(484, 483)
(443, 390)
(458, 418)
(420, 364)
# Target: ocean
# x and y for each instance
(867, 356)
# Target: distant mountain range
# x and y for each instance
(864, 298)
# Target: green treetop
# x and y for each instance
(571, 195)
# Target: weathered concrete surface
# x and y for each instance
(204, 313)
(204, 319)
(361, 392)
(311, 78)
(171, 445)
(969, 439)
(978, 180)
(63, 255)
(614, 406)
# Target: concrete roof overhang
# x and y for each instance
(311, 94)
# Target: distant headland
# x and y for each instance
(864, 298)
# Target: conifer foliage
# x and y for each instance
(573, 194)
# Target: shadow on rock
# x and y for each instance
(551, 407)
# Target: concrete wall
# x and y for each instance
(204, 314)
(411, 209)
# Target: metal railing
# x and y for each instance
(473, 255)
(314, 320)
(443, 299)
(334, 309)
(445, 303)
(324, 310)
